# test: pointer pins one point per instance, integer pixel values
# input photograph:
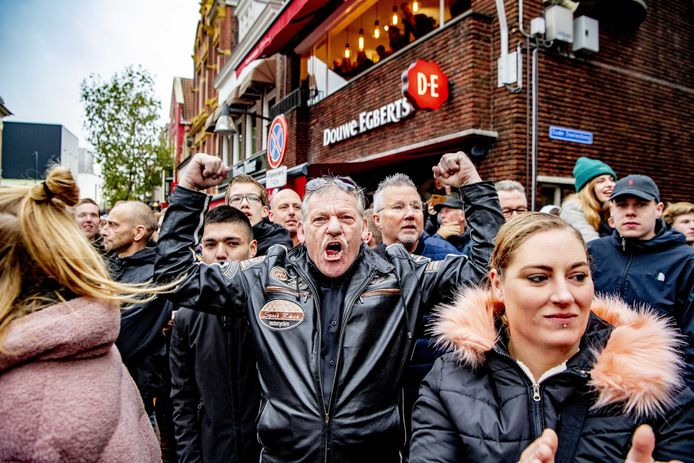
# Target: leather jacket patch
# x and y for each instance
(280, 315)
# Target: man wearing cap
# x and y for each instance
(643, 261)
(452, 220)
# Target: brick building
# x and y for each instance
(629, 103)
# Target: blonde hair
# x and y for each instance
(594, 210)
(44, 258)
(675, 210)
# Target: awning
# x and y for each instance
(289, 23)
(261, 73)
(234, 99)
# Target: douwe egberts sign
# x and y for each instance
(368, 120)
(424, 85)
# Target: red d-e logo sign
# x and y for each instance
(424, 85)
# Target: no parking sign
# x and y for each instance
(277, 141)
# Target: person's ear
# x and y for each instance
(659, 209)
(252, 249)
(377, 220)
(139, 233)
(497, 287)
(300, 232)
(265, 211)
(365, 230)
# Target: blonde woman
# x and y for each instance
(65, 394)
(587, 210)
(537, 351)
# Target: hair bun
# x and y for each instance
(59, 184)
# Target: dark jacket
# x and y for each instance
(659, 272)
(214, 388)
(141, 342)
(434, 248)
(278, 297)
(478, 405)
(268, 234)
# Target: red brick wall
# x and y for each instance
(636, 96)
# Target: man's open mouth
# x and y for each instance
(333, 251)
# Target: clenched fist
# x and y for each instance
(204, 171)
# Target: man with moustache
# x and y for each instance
(332, 321)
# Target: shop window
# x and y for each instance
(368, 34)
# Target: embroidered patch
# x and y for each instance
(433, 266)
(251, 262)
(230, 269)
(281, 315)
(279, 274)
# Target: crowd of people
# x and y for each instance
(456, 326)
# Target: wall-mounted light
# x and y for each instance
(224, 125)
(377, 30)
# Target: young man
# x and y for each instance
(331, 321)
(643, 261)
(87, 216)
(250, 197)
(680, 217)
(285, 210)
(214, 385)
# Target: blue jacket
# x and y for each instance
(658, 272)
(434, 248)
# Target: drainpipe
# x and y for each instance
(533, 85)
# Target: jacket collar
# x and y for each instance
(636, 364)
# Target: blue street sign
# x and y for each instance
(572, 135)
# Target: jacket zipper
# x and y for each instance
(280, 290)
(626, 271)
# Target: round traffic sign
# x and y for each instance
(277, 141)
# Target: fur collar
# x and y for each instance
(639, 367)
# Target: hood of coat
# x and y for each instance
(639, 367)
(79, 328)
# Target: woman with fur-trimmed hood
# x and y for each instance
(539, 369)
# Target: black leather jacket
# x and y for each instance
(384, 301)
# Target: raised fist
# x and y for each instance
(204, 171)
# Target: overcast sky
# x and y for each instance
(47, 47)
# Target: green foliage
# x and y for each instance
(121, 121)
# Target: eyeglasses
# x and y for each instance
(510, 212)
(400, 207)
(251, 198)
(343, 183)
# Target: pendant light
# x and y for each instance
(361, 39)
(415, 6)
(377, 30)
(395, 15)
(347, 52)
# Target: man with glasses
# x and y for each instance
(250, 197)
(512, 198)
(399, 214)
(331, 320)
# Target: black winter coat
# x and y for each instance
(141, 342)
(214, 388)
(277, 295)
(479, 405)
(268, 234)
(658, 272)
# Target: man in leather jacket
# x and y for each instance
(332, 321)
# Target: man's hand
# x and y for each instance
(642, 446)
(456, 169)
(450, 229)
(542, 450)
(204, 171)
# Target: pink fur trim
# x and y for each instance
(640, 367)
(467, 325)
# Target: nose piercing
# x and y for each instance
(563, 326)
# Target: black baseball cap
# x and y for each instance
(452, 201)
(641, 186)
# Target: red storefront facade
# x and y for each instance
(632, 99)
